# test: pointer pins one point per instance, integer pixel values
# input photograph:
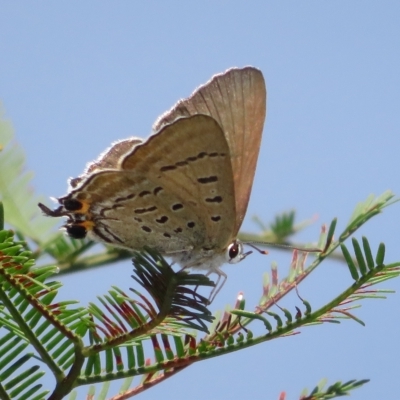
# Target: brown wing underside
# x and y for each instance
(108, 159)
(174, 192)
(236, 99)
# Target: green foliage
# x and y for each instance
(151, 333)
(56, 332)
(15, 192)
(99, 343)
(336, 390)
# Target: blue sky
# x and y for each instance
(76, 76)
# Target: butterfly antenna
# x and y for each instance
(281, 246)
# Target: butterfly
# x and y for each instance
(183, 191)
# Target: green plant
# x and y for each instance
(152, 333)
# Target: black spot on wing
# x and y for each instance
(208, 179)
(76, 231)
(216, 199)
(145, 210)
(157, 190)
(189, 160)
(130, 196)
(72, 204)
(168, 168)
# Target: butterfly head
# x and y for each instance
(234, 253)
(211, 260)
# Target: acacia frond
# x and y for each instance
(120, 332)
(44, 330)
(151, 335)
(338, 389)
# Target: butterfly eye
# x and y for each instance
(76, 231)
(234, 253)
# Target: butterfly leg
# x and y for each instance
(218, 286)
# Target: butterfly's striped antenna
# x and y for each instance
(281, 246)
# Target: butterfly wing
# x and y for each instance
(174, 192)
(108, 159)
(236, 99)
